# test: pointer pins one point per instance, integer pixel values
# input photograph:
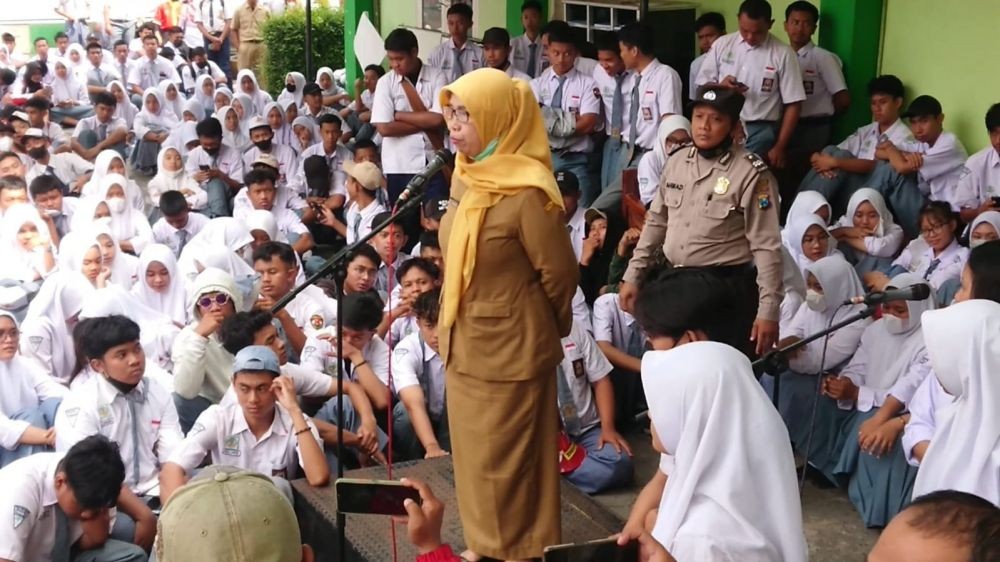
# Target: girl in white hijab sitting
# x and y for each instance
(152, 126)
(110, 162)
(122, 268)
(172, 176)
(46, 333)
(876, 386)
(26, 251)
(246, 82)
(70, 101)
(28, 402)
(232, 131)
(128, 225)
(868, 236)
(986, 228)
(672, 132)
(160, 286)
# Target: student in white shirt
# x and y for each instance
(978, 188)
(70, 101)
(68, 167)
(621, 340)
(261, 191)
(104, 130)
(414, 277)
(56, 209)
(389, 244)
(128, 225)
(262, 137)
(37, 108)
(615, 83)
(335, 154)
(868, 236)
(986, 228)
(364, 184)
(177, 225)
(565, 90)
(150, 70)
(171, 176)
(213, 19)
(458, 56)
(358, 114)
(77, 489)
(46, 335)
(527, 52)
(218, 168)
(277, 268)
(285, 197)
(265, 431)
(29, 402)
(707, 28)
(497, 50)
(573, 215)
(406, 112)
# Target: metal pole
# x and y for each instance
(643, 9)
(309, 39)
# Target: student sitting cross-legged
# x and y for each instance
(265, 431)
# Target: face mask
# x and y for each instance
(103, 221)
(38, 153)
(895, 325)
(290, 87)
(53, 213)
(116, 204)
(212, 152)
(203, 64)
(264, 146)
(122, 387)
(973, 244)
(815, 300)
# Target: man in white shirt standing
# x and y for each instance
(527, 47)
(616, 84)
(458, 56)
(496, 53)
(213, 21)
(150, 70)
(406, 112)
(766, 71)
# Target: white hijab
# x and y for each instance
(732, 492)
(334, 90)
(867, 194)
(220, 232)
(656, 159)
(989, 217)
(101, 164)
(18, 263)
(64, 89)
(259, 97)
(167, 180)
(195, 108)
(283, 134)
(237, 140)
(123, 224)
(176, 107)
(309, 124)
(207, 101)
(964, 352)
(164, 117)
(170, 302)
(19, 375)
(73, 249)
(807, 203)
(300, 82)
(840, 282)
(60, 298)
(124, 108)
(796, 230)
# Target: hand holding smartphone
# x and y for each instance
(604, 550)
(374, 497)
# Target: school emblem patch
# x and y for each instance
(71, 415)
(35, 341)
(20, 514)
(231, 446)
(316, 321)
(104, 415)
(196, 429)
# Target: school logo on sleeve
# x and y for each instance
(196, 429)
(35, 341)
(231, 446)
(20, 514)
(71, 415)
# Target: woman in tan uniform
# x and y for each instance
(510, 278)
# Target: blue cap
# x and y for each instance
(256, 358)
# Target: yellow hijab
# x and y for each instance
(504, 110)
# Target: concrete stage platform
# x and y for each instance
(369, 537)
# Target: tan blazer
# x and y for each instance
(519, 302)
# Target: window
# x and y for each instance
(434, 13)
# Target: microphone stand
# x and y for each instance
(336, 266)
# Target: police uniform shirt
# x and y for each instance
(579, 97)
(307, 383)
(660, 93)
(863, 142)
(321, 355)
(442, 57)
(165, 234)
(822, 77)
(770, 70)
(606, 86)
(611, 323)
(97, 407)
(978, 179)
(414, 363)
(521, 52)
(227, 160)
(918, 258)
(938, 176)
(222, 431)
(149, 73)
(410, 153)
(28, 504)
(287, 161)
(335, 161)
(584, 364)
(716, 212)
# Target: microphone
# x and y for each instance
(415, 187)
(911, 293)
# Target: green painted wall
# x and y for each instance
(949, 56)
(394, 13)
(729, 8)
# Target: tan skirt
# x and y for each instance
(505, 439)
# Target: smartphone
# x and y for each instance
(996, 200)
(204, 167)
(604, 550)
(375, 497)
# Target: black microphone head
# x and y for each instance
(445, 156)
(920, 292)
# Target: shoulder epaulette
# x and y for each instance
(757, 162)
(679, 148)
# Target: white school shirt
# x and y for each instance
(287, 221)
(583, 364)
(903, 389)
(442, 57)
(841, 346)
(414, 363)
(167, 235)
(222, 431)
(579, 97)
(366, 99)
(917, 258)
(67, 167)
(978, 180)
(319, 355)
(307, 383)
(213, 14)
(693, 75)
(308, 314)
(410, 153)
(57, 136)
(359, 221)
(865, 140)
(25, 385)
(611, 323)
(929, 398)
(606, 85)
(575, 227)
(97, 407)
(942, 168)
(521, 52)
(227, 160)
(515, 73)
(879, 246)
(103, 74)
(822, 77)
(92, 124)
(149, 73)
(660, 93)
(287, 161)
(400, 327)
(335, 160)
(770, 70)
(28, 503)
(581, 312)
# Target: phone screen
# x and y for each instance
(606, 550)
(204, 167)
(377, 497)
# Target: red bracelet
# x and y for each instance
(442, 553)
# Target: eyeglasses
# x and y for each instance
(220, 299)
(450, 113)
(933, 230)
(11, 334)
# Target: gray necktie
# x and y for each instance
(633, 113)
(617, 107)
(61, 546)
(182, 240)
(567, 405)
(532, 59)
(457, 71)
(636, 344)
(930, 270)
(133, 398)
(102, 132)
(558, 95)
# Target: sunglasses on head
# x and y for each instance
(220, 299)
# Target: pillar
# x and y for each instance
(352, 14)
